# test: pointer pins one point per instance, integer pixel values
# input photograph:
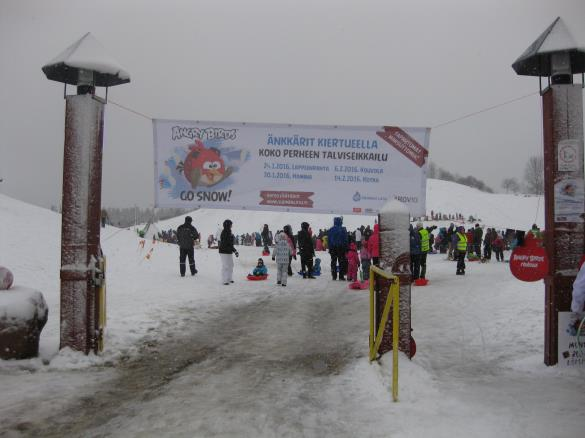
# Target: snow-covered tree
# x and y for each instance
(534, 175)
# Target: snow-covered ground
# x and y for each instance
(190, 357)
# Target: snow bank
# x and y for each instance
(20, 304)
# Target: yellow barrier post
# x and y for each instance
(376, 337)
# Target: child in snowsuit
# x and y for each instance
(317, 267)
(353, 261)
(281, 253)
(260, 269)
(366, 261)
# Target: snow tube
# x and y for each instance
(265, 253)
(412, 347)
(359, 285)
(421, 282)
(257, 277)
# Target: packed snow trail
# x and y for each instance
(264, 368)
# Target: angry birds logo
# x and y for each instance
(203, 166)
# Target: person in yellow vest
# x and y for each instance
(460, 244)
(424, 248)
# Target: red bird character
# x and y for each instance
(203, 166)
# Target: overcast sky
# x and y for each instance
(333, 62)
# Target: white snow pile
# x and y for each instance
(21, 304)
(191, 357)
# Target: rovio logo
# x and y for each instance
(357, 197)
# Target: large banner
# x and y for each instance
(323, 169)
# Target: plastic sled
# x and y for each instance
(257, 277)
(265, 253)
(359, 285)
(421, 282)
(314, 274)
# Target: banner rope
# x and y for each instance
(130, 110)
(448, 122)
(485, 110)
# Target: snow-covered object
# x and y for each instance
(23, 314)
(86, 55)
(6, 278)
(394, 220)
(536, 59)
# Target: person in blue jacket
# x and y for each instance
(338, 244)
(260, 269)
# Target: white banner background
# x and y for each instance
(349, 170)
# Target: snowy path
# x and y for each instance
(270, 367)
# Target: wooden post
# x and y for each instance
(394, 219)
(80, 229)
(564, 203)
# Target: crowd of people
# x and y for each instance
(351, 252)
(459, 244)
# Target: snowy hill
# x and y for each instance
(495, 210)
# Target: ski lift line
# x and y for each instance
(538, 150)
(112, 235)
(130, 110)
(485, 110)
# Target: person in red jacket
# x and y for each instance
(374, 245)
(498, 247)
(470, 247)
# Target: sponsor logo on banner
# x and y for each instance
(287, 199)
(405, 144)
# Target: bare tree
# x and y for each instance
(511, 185)
(534, 175)
(432, 171)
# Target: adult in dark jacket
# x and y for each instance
(488, 240)
(477, 238)
(414, 252)
(266, 238)
(306, 250)
(337, 242)
(226, 249)
(186, 236)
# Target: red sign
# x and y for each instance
(287, 199)
(529, 263)
(405, 144)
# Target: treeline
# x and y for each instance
(436, 172)
(127, 217)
